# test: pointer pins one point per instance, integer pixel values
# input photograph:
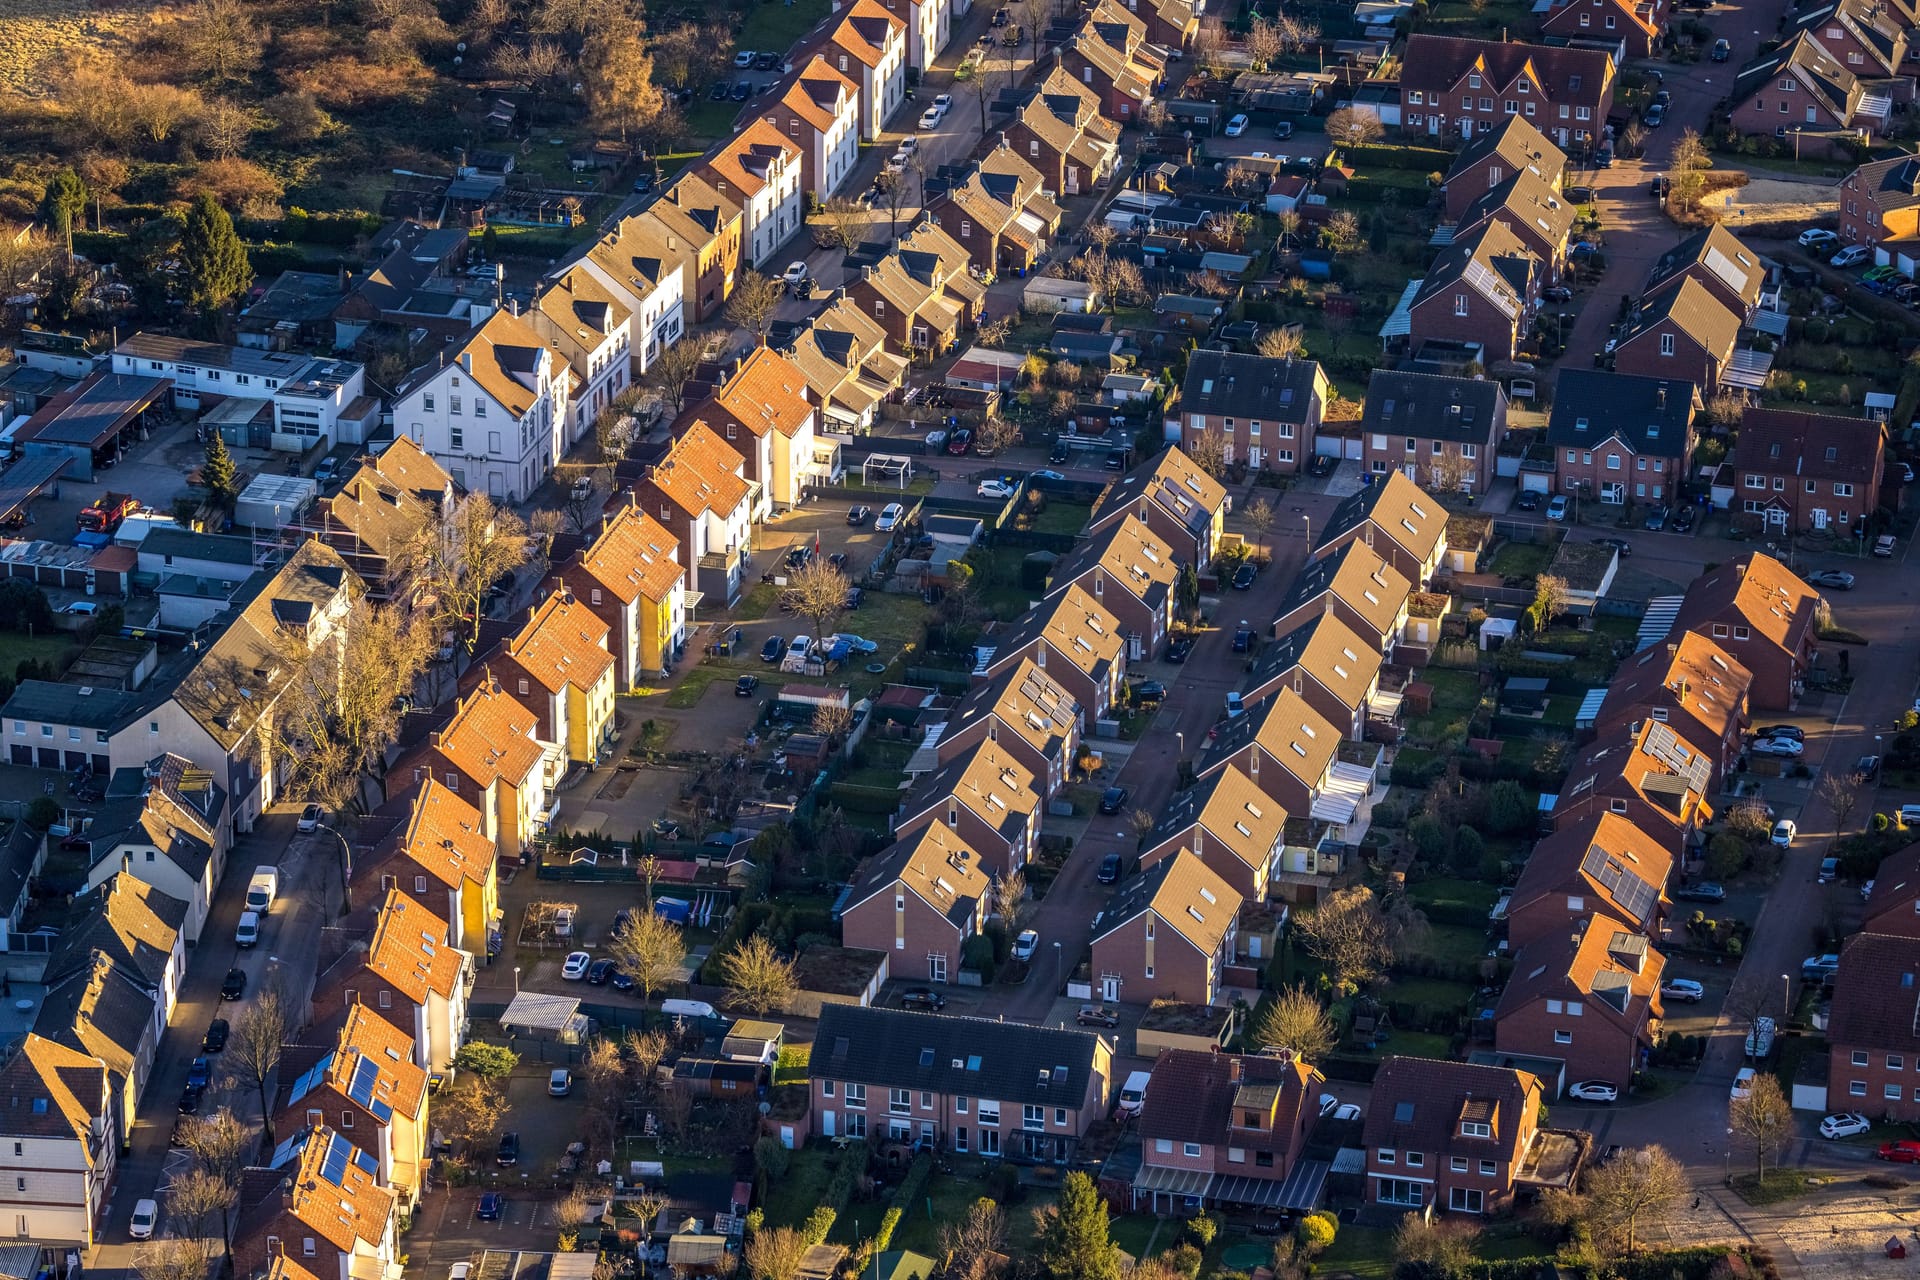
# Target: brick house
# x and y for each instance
(985, 795)
(1717, 259)
(844, 358)
(317, 1199)
(1229, 824)
(1880, 201)
(556, 664)
(1590, 1002)
(1638, 24)
(409, 974)
(1681, 334)
(486, 752)
(631, 577)
(431, 845)
(1649, 775)
(763, 413)
(1617, 437)
(1800, 85)
(1166, 934)
(1059, 129)
(1462, 87)
(1171, 24)
(695, 212)
(906, 295)
(1691, 683)
(1108, 54)
(1809, 472)
(1282, 744)
(1758, 611)
(968, 1085)
(1894, 905)
(699, 493)
(919, 901)
(1029, 713)
(1182, 504)
(820, 113)
(1873, 1037)
(1265, 410)
(1533, 211)
(379, 507)
(1494, 155)
(998, 212)
(1225, 1130)
(362, 1081)
(1441, 432)
(1601, 863)
(1355, 583)
(1449, 1134)
(1327, 662)
(1129, 570)
(1482, 288)
(1072, 638)
(1397, 521)
(760, 167)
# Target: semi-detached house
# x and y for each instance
(819, 112)
(1880, 203)
(691, 211)
(1130, 571)
(1481, 289)
(362, 1081)
(105, 1010)
(1691, 683)
(1439, 431)
(760, 168)
(1809, 472)
(1265, 410)
(410, 975)
(1355, 583)
(763, 411)
(1799, 85)
(1650, 776)
(1616, 437)
(1059, 129)
(631, 576)
(1227, 822)
(1286, 747)
(988, 798)
(556, 665)
(1589, 1001)
(1599, 864)
(593, 333)
(868, 45)
(1637, 24)
(1533, 211)
(1072, 638)
(166, 826)
(1452, 1135)
(1396, 520)
(1457, 87)
(1227, 1130)
(65, 1144)
(1868, 38)
(699, 493)
(844, 358)
(919, 902)
(1167, 934)
(649, 270)
(1873, 1028)
(1718, 260)
(1493, 156)
(485, 752)
(1682, 334)
(377, 511)
(1028, 713)
(432, 845)
(1327, 662)
(1760, 612)
(1174, 497)
(317, 1199)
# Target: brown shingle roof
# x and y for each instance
(1694, 310)
(410, 950)
(1437, 63)
(1190, 1097)
(937, 866)
(1876, 994)
(1128, 555)
(1698, 674)
(562, 643)
(447, 837)
(1815, 446)
(817, 91)
(1757, 591)
(1286, 729)
(743, 163)
(1596, 968)
(1418, 1104)
(988, 781)
(1719, 252)
(490, 736)
(1184, 892)
(1603, 856)
(767, 392)
(505, 353)
(1223, 808)
(634, 557)
(701, 472)
(57, 1092)
(1027, 701)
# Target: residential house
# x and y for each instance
(631, 577)
(844, 358)
(1650, 776)
(310, 398)
(1355, 583)
(378, 511)
(1636, 24)
(104, 1010)
(1129, 570)
(1718, 260)
(1617, 437)
(53, 725)
(920, 900)
(491, 410)
(1691, 683)
(988, 798)
(317, 1199)
(432, 844)
(1809, 472)
(1108, 53)
(1440, 431)
(1072, 638)
(699, 494)
(1880, 203)
(1397, 520)
(1229, 824)
(1589, 1001)
(650, 271)
(1326, 662)
(763, 411)
(1492, 156)
(1176, 499)
(1170, 24)
(1893, 906)
(1681, 334)
(1871, 40)
(1029, 714)
(410, 975)
(138, 928)
(1601, 863)
(65, 1143)
(363, 1081)
(1059, 129)
(997, 213)
(919, 298)
(1872, 1041)
(1226, 1129)
(819, 112)
(1264, 410)
(1167, 934)
(929, 24)
(163, 826)
(868, 45)
(418, 283)
(1799, 85)
(486, 752)
(968, 1085)
(1448, 1134)
(557, 666)
(1760, 613)
(694, 212)
(1466, 87)
(1481, 289)
(592, 332)
(1286, 747)
(1527, 206)
(760, 169)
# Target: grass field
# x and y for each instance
(1462, 893)
(56, 651)
(896, 623)
(777, 26)
(1365, 1253)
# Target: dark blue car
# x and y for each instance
(492, 1205)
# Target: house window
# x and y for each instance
(1857, 1088)
(1859, 1057)
(1613, 462)
(899, 1102)
(346, 1119)
(453, 404)
(960, 1105)
(386, 999)
(1400, 1192)
(856, 1095)
(456, 438)
(1416, 1159)
(1666, 344)
(1895, 1062)
(427, 400)
(1460, 304)
(1387, 1155)
(1842, 490)
(1191, 1149)
(1563, 1037)
(1458, 1164)
(1741, 633)
(1475, 1129)
(826, 1088)
(966, 229)
(1465, 1199)
(1890, 1092)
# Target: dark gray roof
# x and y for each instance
(198, 546)
(890, 1048)
(1894, 183)
(1650, 414)
(1233, 384)
(84, 706)
(1184, 810)
(1432, 406)
(1518, 143)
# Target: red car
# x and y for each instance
(959, 441)
(1905, 1151)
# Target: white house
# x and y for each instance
(312, 398)
(492, 414)
(929, 24)
(61, 1128)
(764, 413)
(593, 331)
(762, 170)
(869, 46)
(820, 113)
(646, 271)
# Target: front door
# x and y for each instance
(1819, 517)
(826, 1124)
(1466, 128)
(937, 968)
(1109, 987)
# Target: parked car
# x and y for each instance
(924, 1000)
(1178, 648)
(795, 272)
(1783, 833)
(235, 984)
(1817, 238)
(1721, 50)
(1793, 731)
(1113, 799)
(1657, 519)
(1819, 968)
(929, 119)
(1683, 520)
(1900, 1151)
(890, 516)
(146, 1214)
(1705, 891)
(1097, 1015)
(1838, 579)
(1868, 767)
(858, 516)
(1621, 546)
(1742, 1083)
(1654, 116)
(1845, 1124)
(1529, 500)
(199, 1073)
(1598, 1091)
(959, 441)
(995, 489)
(1149, 693)
(216, 1038)
(773, 648)
(492, 1205)
(309, 819)
(599, 972)
(1558, 293)
(190, 1100)
(1244, 576)
(1777, 747)
(746, 686)
(1025, 944)
(1557, 508)
(1829, 871)
(507, 1153)
(575, 967)
(1236, 126)
(1243, 639)
(1883, 546)
(1683, 990)
(1109, 872)
(1851, 256)
(741, 91)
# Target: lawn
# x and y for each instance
(1412, 1044)
(792, 1198)
(1454, 943)
(1138, 1233)
(709, 119)
(1522, 559)
(1063, 517)
(1778, 1185)
(1364, 1252)
(1442, 892)
(56, 651)
(778, 26)
(1436, 993)
(1455, 691)
(897, 623)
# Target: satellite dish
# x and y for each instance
(461, 47)
(766, 1108)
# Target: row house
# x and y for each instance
(1493, 156)
(967, 1085)
(906, 294)
(760, 169)
(1617, 437)
(362, 1082)
(106, 1011)
(1170, 24)
(1691, 683)
(1873, 1027)
(1454, 86)
(1533, 211)
(1059, 128)
(1718, 260)
(1167, 934)
(998, 214)
(1266, 410)
(1397, 521)
(491, 411)
(1636, 24)
(986, 797)
(700, 495)
(691, 211)
(1029, 714)
(407, 973)
(1796, 483)
(1800, 85)
(1682, 334)
(630, 575)
(1880, 202)
(929, 25)
(1287, 748)
(1326, 662)
(1589, 1001)
(764, 413)
(1481, 289)
(819, 112)
(1756, 609)
(1072, 638)
(556, 665)
(1441, 432)
(1650, 776)
(868, 45)
(1175, 498)
(65, 1143)
(136, 927)
(432, 845)
(160, 826)
(849, 372)
(1356, 584)
(1228, 823)
(1599, 864)
(317, 1200)
(1893, 906)
(486, 752)
(919, 902)
(1110, 59)
(1223, 1129)
(1450, 1135)
(374, 517)
(649, 269)
(1128, 570)
(592, 332)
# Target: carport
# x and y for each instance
(893, 468)
(87, 425)
(540, 1016)
(1299, 1190)
(23, 483)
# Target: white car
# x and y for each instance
(890, 516)
(943, 103)
(1236, 126)
(743, 59)
(1594, 1091)
(907, 146)
(309, 819)
(576, 966)
(1845, 1124)
(1682, 990)
(1783, 833)
(1328, 1104)
(930, 119)
(1851, 256)
(995, 489)
(1814, 237)
(1778, 747)
(795, 272)
(798, 650)
(1133, 1094)
(1742, 1083)
(1025, 944)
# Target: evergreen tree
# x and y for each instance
(1186, 593)
(64, 200)
(214, 260)
(218, 473)
(1073, 1237)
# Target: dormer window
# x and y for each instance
(1475, 1129)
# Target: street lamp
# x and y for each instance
(516, 979)
(1181, 738)
(1786, 1000)
(346, 867)
(1306, 528)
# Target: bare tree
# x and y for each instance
(1340, 234)
(755, 299)
(649, 949)
(218, 1143)
(617, 72)
(1634, 1186)
(997, 433)
(1748, 819)
(1259, 518)
(1841, 791)
(1297, 1020)
(473, 1115)
(643, 1051)
(220, 41)
(1295, 33)
(1444, 1244)
(838, 224)
(1353, 126)
(818, 592)
(1686, 171)
(450, 566)
(832, 722)
(175, 1258)
(197, 1200)
(775, 1254)
(253, 1050)
(1209, 451)
(1763, 1119)
(893, 185)
(1349, 933)
(1262, 43)
(1549, 600)
(572, 1212)
(757, 977)
(1033, 15)
(1010, 899)
(982, 86)
(975, 1246)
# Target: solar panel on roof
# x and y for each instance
(1634, 894)
(366, 1079)
(334, 1166)
(368, 1165)
(313, 1076)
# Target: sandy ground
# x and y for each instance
(1840, 1234)
(1775, 200)
(38, 30)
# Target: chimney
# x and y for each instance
(126, 863)
(1236, 1069)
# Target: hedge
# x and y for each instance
(853, 1163)
(1675, 1264)
(856, 798)
(1370, 155)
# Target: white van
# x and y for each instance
(146, 1214)
(1134, 1092)
(248, 934)
(263, 888)
(688, 1009)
